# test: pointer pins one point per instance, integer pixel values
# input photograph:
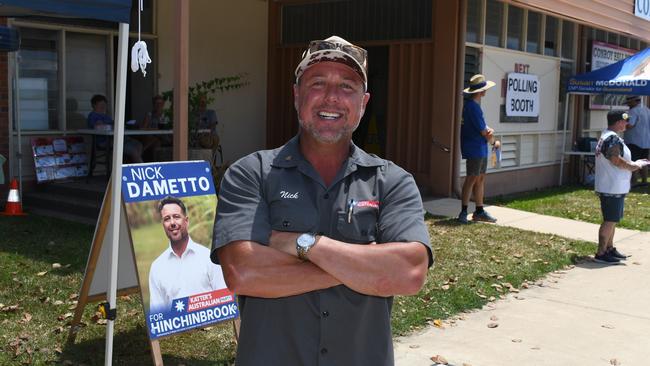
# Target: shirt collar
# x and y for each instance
(290, 156)
(190, 248)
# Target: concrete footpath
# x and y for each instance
(591, 314)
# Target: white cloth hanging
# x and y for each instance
(139, 55)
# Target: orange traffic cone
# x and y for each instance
(13, 207)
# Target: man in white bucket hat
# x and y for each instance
(474, 137)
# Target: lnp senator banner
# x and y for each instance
(170, 208)
(522, 95)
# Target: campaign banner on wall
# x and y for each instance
(602, 55)
(522, 95)
(170, 209)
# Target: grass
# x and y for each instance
(34, 317)
(581, 203)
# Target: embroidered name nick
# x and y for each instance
(285, 194)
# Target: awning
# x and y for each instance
(630, 76)
(110, 10)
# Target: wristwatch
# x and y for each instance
(304, 243)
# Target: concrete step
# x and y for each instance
(62, 203)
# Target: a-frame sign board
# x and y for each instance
(95, 284)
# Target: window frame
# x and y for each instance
(61, 51)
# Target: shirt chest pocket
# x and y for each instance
(361, 227)
(293, 215)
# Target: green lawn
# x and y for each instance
(581, 203)
(38, 300)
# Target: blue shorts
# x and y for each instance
(612, 207)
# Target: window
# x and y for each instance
(612, 38)
(473, 30)
(550, 40)
(623, 41)
(38, 79)
(81, 68)
(86, 75)
(472, 63)
(568, 34)
(493, 23)
(566, 70)
(534, 32)
(515, 27)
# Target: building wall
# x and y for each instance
(524, 180)
(616, 15)
(226, 38)
(421, 99)
(532, 151)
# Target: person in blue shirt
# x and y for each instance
(99, 119)
(474, 137)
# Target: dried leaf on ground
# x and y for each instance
(607, 326)
(27, 317)
(439, 360)
(414, 346)
(10, 308)
(41, 274)
(437, 323)
(492, 325)
(64, 316)
(516, 340)
(614, 362)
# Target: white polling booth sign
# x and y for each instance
(522, 95)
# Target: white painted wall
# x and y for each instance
(496, 64)
(226, 38)
(523, 145)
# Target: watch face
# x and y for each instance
(306, 240)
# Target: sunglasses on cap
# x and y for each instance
(357, 53)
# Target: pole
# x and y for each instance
(566, 117)
(19, 153)
(116, 182)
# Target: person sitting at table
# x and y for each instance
(156, 119)
(207, 122)
(99, 119)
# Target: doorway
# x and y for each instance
(371, 133)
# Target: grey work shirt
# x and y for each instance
(280, 190)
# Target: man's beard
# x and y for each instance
(329, 138)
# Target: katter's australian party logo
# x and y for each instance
(193, 312)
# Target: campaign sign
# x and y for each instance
(170, 208)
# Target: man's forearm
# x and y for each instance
(382, 270)
(256, 270)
